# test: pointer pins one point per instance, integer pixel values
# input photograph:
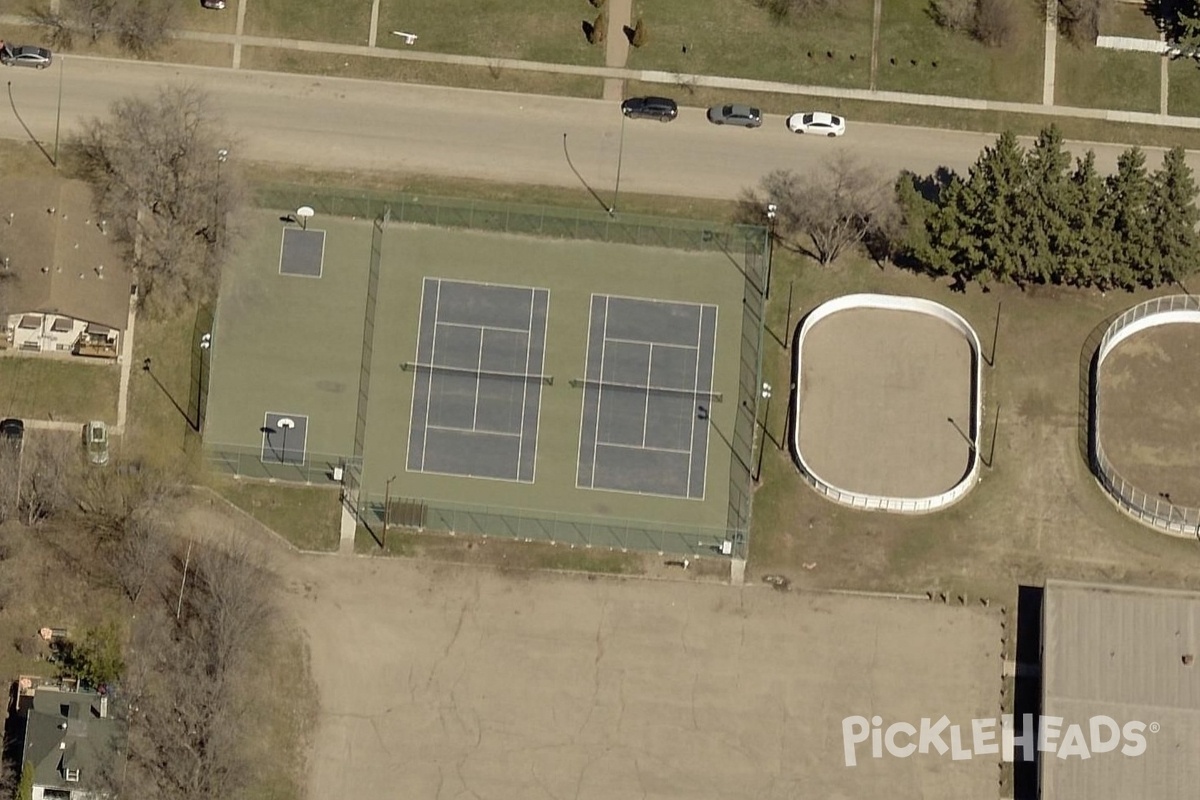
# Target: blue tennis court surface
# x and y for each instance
(478, 387)
(648, 384)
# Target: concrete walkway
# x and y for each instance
(616, 46)
(676, 79)
(126, 366)
(1051, 52)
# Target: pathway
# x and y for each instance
(126, 366)
(875, 26)
(237, 37)
(1051, 52)
(616, 46)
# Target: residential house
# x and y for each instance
(63, 286)
(70, 739)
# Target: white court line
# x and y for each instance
(456, 428)
(587, 357)
(600, 389)
(437, 302)
(411, 426)
(646, 404)
(541, 387)
(712, 380)
(478, 381)
(696, 401)
(525, 382)
(643, 448)
(656, 344)
(283, 453)
(489, 327)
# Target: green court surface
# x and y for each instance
(293, 345)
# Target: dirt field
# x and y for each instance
(1149, 419)
(466, 682)
(877, 389)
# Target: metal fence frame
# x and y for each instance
(746, 246)
(1155, 511)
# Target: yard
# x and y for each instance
(1095, 77)
(738, 39)
(1184, 84)
(347, 22)
(58, 389)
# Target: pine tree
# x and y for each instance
(997, 207)
(1125, 211)
(1048, 230)
(1173, 217)
(950, 246)
(1087, 257)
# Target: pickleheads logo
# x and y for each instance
(989, 737)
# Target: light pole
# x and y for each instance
(772, 210)
(222, 157)
(620, 152)
(287, 423)
(766, 395)
(58, 114)
(205, 344)
(970, 444)
(591, 191)
(387, 509)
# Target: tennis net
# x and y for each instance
(413, 366)
(715, 397)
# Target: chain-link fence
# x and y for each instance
(250, 462)
(532, 525)
(746, 246)
(1157, 509)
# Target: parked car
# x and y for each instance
(817, 122)
(662, 109)
(215, 5)
(95, 439)
(744, 116)
(12, 433)
(25, 55)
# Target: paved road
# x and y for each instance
(367, 125)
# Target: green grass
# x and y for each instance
(1093, 77)
(493, 78)
(308, 517)
(534, 30)
(193, 17)
(964, 67)
(64, 389)
(1125, 19)
(737, 39)
(1088, 130)
(344, 21)
(1183, 96)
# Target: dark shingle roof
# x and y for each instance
(64, 730)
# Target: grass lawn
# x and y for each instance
(964, 67)
(535, 30)
(1126, 19)
(192, 16)
(1183, 98)
(306, 516)
(421, 72)
(1088, 130)
(1038, 513)
(738, 39)
(63, 389)
(346, 21)
(1093, 77)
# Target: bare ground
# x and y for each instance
(877, 391)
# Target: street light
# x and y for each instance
(772, 210)
(620, 153)
(205, 344)
(58, 114)
(287, 423)
(766, 395)
(222, 157)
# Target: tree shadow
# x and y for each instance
(182, 412)
(629, 33)
(1167, 15)
(589, 31)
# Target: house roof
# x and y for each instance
(64, 730)
(60, 259)
(1123, 652)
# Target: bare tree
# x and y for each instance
(49, 465)
(955, 15)
(142, 551)
(995, 22)
(57, 27)
(824, 213)
(155, 165)
(140, 26)
(782, 10)
(1080, 19)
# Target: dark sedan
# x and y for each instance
(25, 55)
(742, 116)
(662, 109)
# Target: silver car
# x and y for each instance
(25, 55)
(743, 116)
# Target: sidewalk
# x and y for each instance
(676, 79)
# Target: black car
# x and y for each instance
(12, 432)
(662, 109)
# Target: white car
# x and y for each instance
(817, 122)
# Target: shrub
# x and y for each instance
(599, 29)
(953, 15)
(1080, 19)
(639, 34)
(995, 22)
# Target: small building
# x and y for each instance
(1129, 655)
(64, 287)
(70, 739)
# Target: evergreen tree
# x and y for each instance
(1126, 213)
(1087, 257)
(998, 203)
(950, 246)
(1049, 233)
(1173, 217)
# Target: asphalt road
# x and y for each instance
(369, 125)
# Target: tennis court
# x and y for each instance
(488, 383)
